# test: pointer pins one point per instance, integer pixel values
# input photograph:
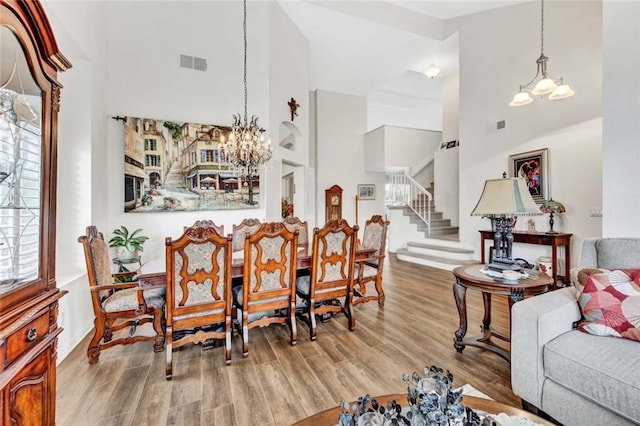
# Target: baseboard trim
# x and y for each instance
(65, 350)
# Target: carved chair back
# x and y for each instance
(198, 266)
(96, 253)
(375, 234)
(370, 270)
(270, 260)
(332, 274)
(295, 224)
(333, 260)
(247, 226)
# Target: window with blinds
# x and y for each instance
(20, 195)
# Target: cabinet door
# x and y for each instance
(29, 103)
(30, 393)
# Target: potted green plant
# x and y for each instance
(127, 244)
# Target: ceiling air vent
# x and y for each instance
(193, 63)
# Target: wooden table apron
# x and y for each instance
(538, 283)
(330, 417)
(237, 266)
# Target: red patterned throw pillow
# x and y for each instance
(610, 304)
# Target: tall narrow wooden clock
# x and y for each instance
(333, 203)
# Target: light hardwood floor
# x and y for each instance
(279, 383)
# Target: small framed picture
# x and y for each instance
(367, 191)
(452, 144)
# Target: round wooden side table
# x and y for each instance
(472, 277)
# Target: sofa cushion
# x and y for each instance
(600, 369)
(579, 276)
(618, 253)
(610, 304)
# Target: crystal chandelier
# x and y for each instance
(546, 84)
(245, 150)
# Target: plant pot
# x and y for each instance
(125, 255)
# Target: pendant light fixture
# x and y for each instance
(246, 150)
(544, 83)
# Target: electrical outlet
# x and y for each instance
(596, 212)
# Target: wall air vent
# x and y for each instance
(193, 62)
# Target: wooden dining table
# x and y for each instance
(153, 271)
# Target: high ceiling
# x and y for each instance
(380, 49)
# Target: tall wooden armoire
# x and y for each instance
(29, 104)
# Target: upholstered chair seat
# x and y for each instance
(127, 299)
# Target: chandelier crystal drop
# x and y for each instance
(546, 84)
(245, 150)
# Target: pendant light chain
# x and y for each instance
(542, 26)
(244, 28)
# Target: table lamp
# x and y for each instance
(502, 199)
(552, 207)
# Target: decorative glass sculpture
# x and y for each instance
(432, 402)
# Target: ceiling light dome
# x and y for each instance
(432, 71)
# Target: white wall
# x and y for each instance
(80, 32)
(488, 82)
(445, 174)
(621, 46)
(421, 114)
(341, 123)
(288, 78)
(374, 151)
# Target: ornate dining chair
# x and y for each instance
(370, 269)
(295, 224)
(332, 273)
(268, 293)
(198, 289)
(116, 304)
(247, 226)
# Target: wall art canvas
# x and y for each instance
(173, 166)
(532, 166)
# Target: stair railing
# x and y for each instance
(403, 190)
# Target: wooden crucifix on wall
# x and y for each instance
(293, 106)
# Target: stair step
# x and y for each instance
(434, 261)
(443, 230)
(435, 223)
(413, 217)
(452, 253)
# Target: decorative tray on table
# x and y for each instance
(507, 275)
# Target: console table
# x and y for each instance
(543, 239)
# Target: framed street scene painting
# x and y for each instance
(171, 166)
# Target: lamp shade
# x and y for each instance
(509, 196)
(552, 206)
(544, 86)
(520, 99)
(562, 92)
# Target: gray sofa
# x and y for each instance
(574, 377)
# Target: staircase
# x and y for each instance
(412, 241)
